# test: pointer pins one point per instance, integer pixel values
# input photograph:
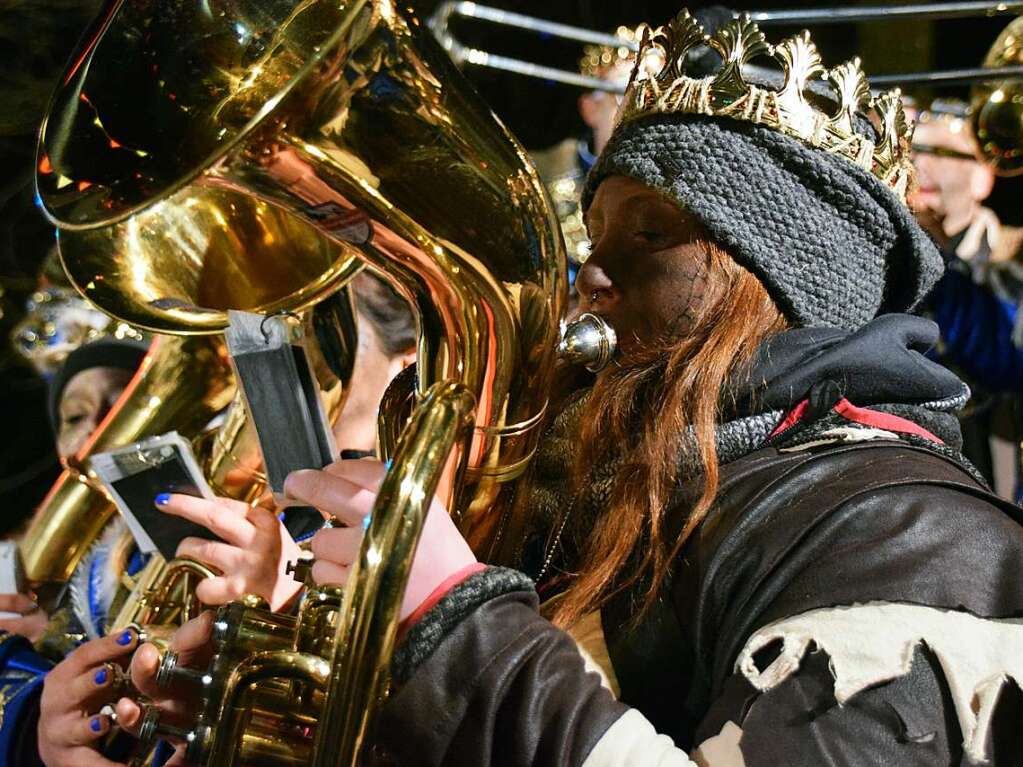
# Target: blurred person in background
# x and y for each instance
(976, 303)
(252, 554)
(88, 360)
(564, 167)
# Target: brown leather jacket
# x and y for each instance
(845, 603)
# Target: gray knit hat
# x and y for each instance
(832, 245)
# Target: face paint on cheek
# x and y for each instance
(690, 291)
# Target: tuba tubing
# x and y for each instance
(368, 621)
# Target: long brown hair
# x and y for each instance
(647, 406)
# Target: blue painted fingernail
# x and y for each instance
(101, 676)
(96, 724)
(365, 522)
(163, 499)
(125, 639)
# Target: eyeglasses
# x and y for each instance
(940, 151)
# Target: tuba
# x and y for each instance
(321, 132)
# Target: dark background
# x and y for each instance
(37, 36)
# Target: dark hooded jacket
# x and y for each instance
(847, 534)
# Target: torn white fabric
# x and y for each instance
(843, 434)
(873, 643)
(721, 750)
(633, 742)
(588, 633)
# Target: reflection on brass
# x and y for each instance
(182, 263)
(996, 107)
(264, 146)
(396, 405)
(588, 341)
(164, 594)
(180, 385)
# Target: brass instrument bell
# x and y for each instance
(996, 107)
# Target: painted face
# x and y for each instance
(648, 265)
(85, 402)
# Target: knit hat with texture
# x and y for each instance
(830, 242)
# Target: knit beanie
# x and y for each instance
(830, 242)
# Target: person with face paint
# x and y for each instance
(763, 545)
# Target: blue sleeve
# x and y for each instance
(977, 328)
(22, 671)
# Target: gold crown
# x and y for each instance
(597, 59)
(659, 85)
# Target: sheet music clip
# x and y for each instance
(269, 356)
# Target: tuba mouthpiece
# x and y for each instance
(588, 341)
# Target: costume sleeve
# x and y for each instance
(888, 635)
(482, 679)
(978, 328)
(22, 672)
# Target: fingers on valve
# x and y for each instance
(339, 545)
(102, 684)
(117, 645)
(144, 666)
(329, 573)
(82, 732)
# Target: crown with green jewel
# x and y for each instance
(660, 85)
